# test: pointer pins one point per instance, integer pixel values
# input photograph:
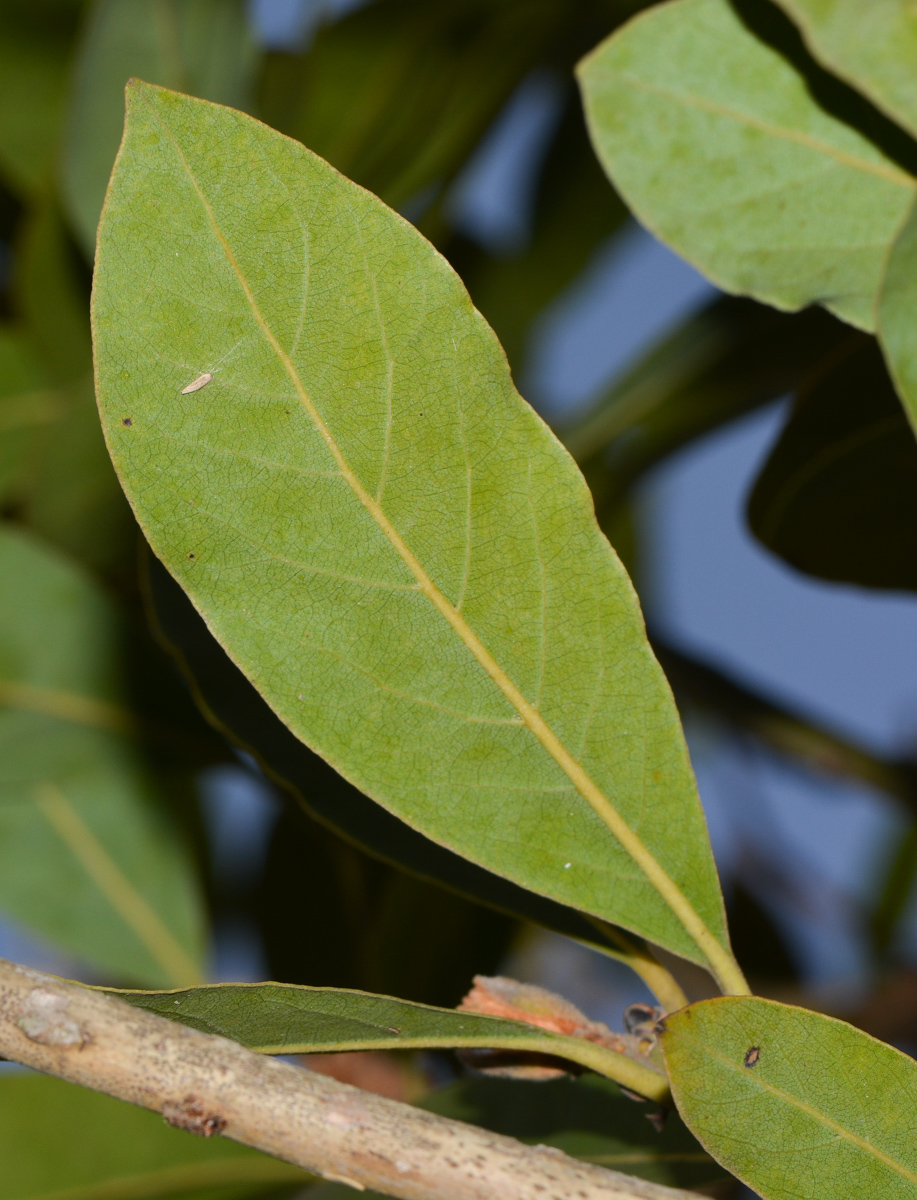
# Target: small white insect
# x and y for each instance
(201, 381)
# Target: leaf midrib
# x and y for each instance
(721, 961)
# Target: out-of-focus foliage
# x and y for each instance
(58, 1139)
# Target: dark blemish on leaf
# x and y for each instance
(752, 1055)
(191, 556)
(127, 421)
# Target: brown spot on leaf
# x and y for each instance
(127, 421)
(752, 1054)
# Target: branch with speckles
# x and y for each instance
(210, 1085)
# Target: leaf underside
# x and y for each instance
(873, 46)
(384, 537)
(747, 175)
(798, 1105)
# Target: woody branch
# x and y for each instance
(210, 1085)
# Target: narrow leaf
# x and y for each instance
(199, 46)
(277, 1018)
(838, 494)
(798, 1105)
(386, 539)
(873, 46)
(58, 1140)
(716, 140)
(86, 859)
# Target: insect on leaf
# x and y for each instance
(386, 539)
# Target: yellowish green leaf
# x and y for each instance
(387, 540)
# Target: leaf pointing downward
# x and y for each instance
(385, 538)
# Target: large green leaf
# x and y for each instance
(278, 1018)
(235, 707)
(837, 497)
(717, 141)
(58, 1140)
(86, 857)
(387, 540)
(199, 46)
(798, 1105)
(873, 46)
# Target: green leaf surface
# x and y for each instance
(200, 46)
(388, 541)
(837, 497)
(87, 859)
(235, 707)
(61, 1141)
(282, 1018)
(798, 1105)
(717, 141)
(873, 46)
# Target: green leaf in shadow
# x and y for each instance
(837, 498)
(283, 1018)
(798, 1105)
(386, 538)
(730, 149)
(86, 859)
(63, 1142)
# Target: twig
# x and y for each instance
(210, 1085)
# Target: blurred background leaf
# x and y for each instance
(89, 860)
(58, 1139)
(199, 46)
